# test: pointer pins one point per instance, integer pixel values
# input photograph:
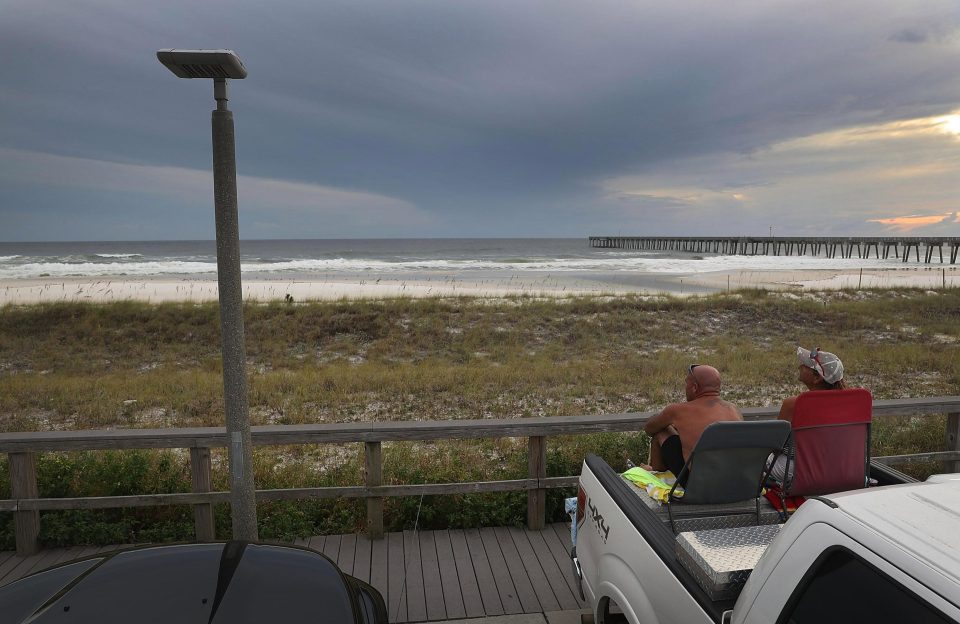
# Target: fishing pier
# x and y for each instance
(828, 247)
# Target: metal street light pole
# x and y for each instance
(221, 65)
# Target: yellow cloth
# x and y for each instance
(656, 484)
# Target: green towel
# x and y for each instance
(645, 477)
(653, 483)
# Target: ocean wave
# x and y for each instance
(612, 265)
(8, 258)
(512, 265)
(95, 269)
(118, 255)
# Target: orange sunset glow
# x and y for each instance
(912, 222)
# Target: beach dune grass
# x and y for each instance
(83, 366)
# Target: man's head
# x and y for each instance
(818, 366)
(701, 379)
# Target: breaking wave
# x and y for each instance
(133, 265)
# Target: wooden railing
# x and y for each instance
(24, 447)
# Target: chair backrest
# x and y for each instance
(729, 461)
(831, 441)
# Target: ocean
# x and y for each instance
(496, 258)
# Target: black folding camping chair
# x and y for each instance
(728, 465)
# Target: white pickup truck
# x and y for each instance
(885, 553)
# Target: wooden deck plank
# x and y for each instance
(466, 573)
(361, 560)
(33, 564)
(432, 584)
(562, 557)
(45, 559)
(10, 564)
(413, 570)
(551, 569)
(348, 550)
(513, 566)
(379, 567)
(509, 597)
(563, 533)
(331, 547)
(15, 573)
(538, 579)
(397, 606)
(487, 586)
(316, 542)
(450, 577)
(78, 552)
(67, 554)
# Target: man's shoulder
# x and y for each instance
(731, 411)
(675, 412)
(712, 403)
(666, 417)
(715, 408)
(674, 408)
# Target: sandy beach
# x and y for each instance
(160, 289)
(931, 277)
(306, 288)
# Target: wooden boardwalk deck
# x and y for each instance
(425, 575)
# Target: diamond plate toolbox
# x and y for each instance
(703, 517)
(721, 560)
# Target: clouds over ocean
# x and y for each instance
(485, 118)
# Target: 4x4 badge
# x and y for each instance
(602, 529)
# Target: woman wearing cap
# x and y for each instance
(818, 370)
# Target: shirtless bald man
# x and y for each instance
(676, 430)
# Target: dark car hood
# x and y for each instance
(234, 582)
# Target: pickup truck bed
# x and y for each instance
(651, 523)
(654, 531)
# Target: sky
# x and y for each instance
(488, 118)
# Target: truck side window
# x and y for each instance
(844, 588)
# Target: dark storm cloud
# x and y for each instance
(909, 35)
(489, 116)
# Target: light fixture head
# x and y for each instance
(216, 64)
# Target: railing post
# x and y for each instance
(537, 469)
(373, 471)
(952, 440)
(23, 484)
(201, 481)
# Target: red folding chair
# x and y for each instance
(830, 443)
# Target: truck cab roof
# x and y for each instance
(921, 518)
